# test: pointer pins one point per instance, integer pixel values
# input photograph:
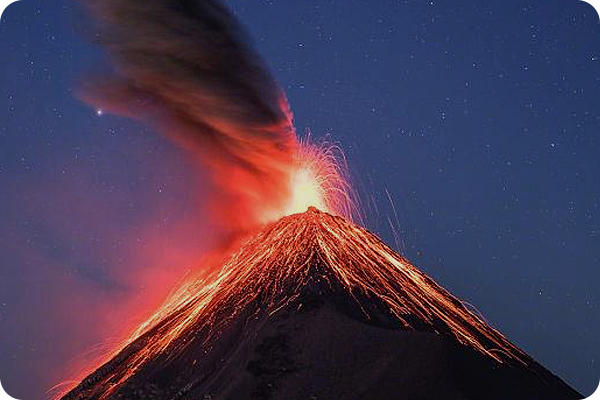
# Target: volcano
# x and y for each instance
(315, 307)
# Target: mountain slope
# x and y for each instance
(316, 307)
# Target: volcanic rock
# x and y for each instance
(315, 307)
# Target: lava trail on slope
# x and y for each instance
(313, 306)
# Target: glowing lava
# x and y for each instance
(319, 179)
(306, 191)
(268, 273)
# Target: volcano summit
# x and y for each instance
(315, 307)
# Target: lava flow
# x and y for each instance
(269, 273)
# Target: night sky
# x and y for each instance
(479, 122)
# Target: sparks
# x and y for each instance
(319, 178)
(306, 191)
(269, 273)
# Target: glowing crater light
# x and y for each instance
(306, 192)
(319, 178)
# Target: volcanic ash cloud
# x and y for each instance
(184, 68)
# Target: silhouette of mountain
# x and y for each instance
(315, 307)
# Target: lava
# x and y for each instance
(269, 272)
(319, 178)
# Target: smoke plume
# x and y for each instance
(184, 68)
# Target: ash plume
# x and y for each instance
(184, 68)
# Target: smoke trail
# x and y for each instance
(183, 67)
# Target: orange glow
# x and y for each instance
(306, 192)
(269, 271)
(318, 178)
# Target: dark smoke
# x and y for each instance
(184, 67)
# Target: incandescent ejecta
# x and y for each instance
(308, 305)
(315, 307)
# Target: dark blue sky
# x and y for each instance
(482, 122)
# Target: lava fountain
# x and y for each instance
(319, 178)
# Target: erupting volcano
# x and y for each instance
(315, 307)
(307, 305)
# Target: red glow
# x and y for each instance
(317, 178)
(269, 271)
